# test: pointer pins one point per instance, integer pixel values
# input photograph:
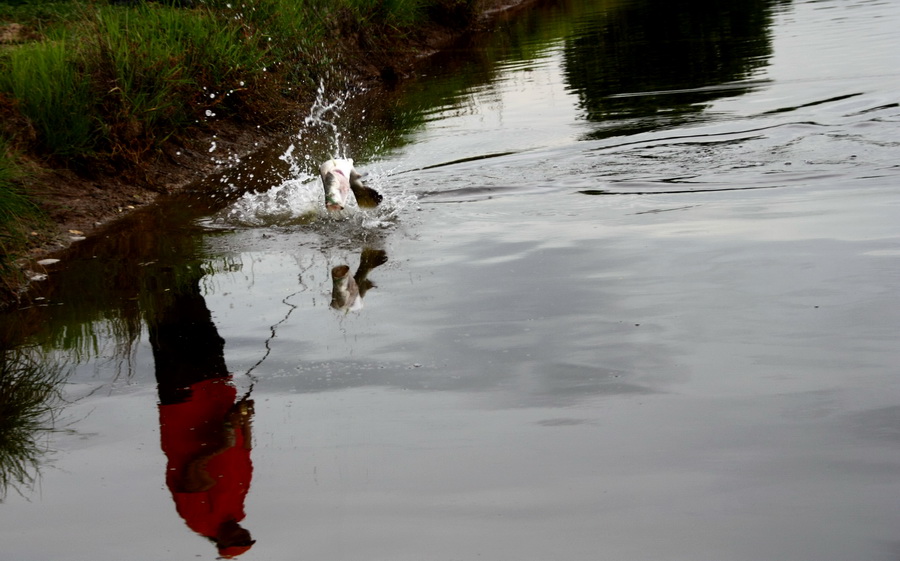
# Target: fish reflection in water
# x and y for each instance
(347, 292)
(204, 426)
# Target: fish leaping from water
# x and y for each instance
(339, 178)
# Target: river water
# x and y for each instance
(632, 294)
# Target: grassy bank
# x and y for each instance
(99, 87)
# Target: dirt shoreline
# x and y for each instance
(80, 206)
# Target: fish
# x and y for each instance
(347, 292)
(339, 178)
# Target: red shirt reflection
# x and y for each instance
(206, 438)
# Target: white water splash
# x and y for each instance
(299, 198)
(323, 117)
(294, 201)
(301, 201)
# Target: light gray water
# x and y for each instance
(640, 313)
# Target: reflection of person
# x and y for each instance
(207, 441)
(347, 292)
(204, 428)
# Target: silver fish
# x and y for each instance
(339, 178)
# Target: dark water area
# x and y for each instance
(632, 293)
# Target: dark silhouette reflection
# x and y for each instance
(204, 426)
(347, 292)
(649, 59)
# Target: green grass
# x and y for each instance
(107, 80)
(18, 213)
(15, 207)
(154, 63)
(51, 90)
(45, 18)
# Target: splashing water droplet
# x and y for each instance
(298, 200)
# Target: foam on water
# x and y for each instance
(301, 202)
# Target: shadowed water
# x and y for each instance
(631, 294)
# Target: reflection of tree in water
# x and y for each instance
(666, 51)
(29, 403)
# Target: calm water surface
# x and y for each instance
(633, 294)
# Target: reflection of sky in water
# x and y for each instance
(528, 107)
(622, 296)
(838, 51)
